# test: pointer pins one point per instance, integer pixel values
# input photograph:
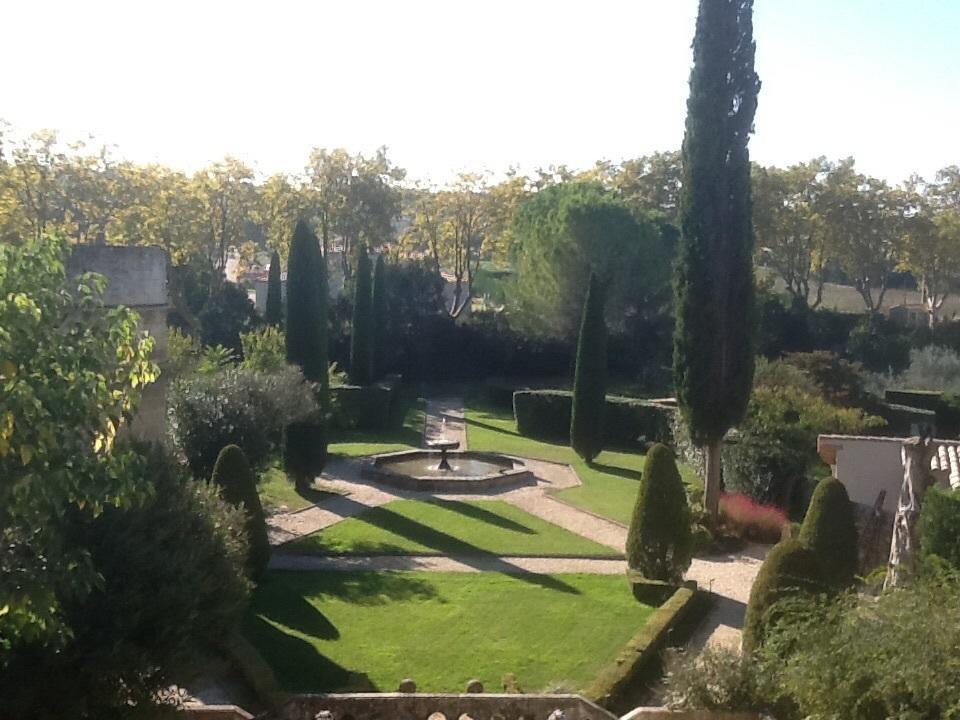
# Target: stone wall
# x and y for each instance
(136, 278)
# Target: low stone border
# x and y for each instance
(639, 662)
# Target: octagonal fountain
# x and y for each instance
(443, 468)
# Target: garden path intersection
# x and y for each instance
(728, 576)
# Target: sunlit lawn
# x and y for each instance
(609, 486)
(447, 527)
(404, 430)
(367, 631)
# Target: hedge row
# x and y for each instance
(638, 665)
(545, 415)
(363, 407)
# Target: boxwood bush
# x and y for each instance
(545, 415)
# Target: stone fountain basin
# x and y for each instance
(471, 471)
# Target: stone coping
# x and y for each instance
(516, 476)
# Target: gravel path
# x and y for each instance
(728, 577)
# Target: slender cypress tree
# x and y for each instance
(303, 336)
(714, 338)
(274, 310)
(379, 315)
(323, 321)
(361, 357)
(590, 377)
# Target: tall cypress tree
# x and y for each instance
(323, 321)
(379, 315)
(590, 377)
(714, 337)
(362, 335)
(274, 310)
(303, 337)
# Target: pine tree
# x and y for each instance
(659, 542)
(714, 336)
(590, 377)
(274, 310)
(361, 338)
(304, 307)
(379, 316)
(238, 486)
(830, 531)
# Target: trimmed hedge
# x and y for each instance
(638, 664)
(830, 531)
(363, 407)
(545, 415)
(304, 451)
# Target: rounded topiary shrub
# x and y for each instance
(304, 452)
(829, 530)
(659, 542)
(789, 568)
(238, 486)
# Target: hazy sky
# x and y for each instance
(452, 84)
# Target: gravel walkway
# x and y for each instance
(728, 577)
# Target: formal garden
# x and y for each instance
(552, 434)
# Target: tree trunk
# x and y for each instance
(915, 456)
(711, 480)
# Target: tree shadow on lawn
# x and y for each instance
(486, 426)
(482, 514)
(623, 472)
(299, 666)
(386, 519)
(360, 587)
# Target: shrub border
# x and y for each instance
(639, 661)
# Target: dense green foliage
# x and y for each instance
(362, 326)
(790, 568)
(172, 587)
(70, 371)
(714, 286)
(564, 233)
(830, 531)
(273, 312)
(940, 525)
(659, 543)
(238, 486)
(380, 310)
(304, 451)
(878, 345)
(306, 315)
(263, 349)
(361, 407)
(235, 407)
(590, 377)
(227, 313)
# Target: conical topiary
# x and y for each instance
(789, 569)
(379, 317)
(590, 377)
(238, 486)
(361, 337)
(659, 542)
(829, 530)
(304, 341)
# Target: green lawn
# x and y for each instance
(609, 486)
(445, 527)
(278, 494)
(404, 430)
(367, 631)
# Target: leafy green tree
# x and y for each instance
(830, 531)
(71, 371)
(274, 309)
(567, 231)
(590, 378)
(238, 486)
(227, 313)
(381, 313)
(659, 542)
(361, 336)
(171, 586)
(714, 287)
(940, 525)
(304, 336)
